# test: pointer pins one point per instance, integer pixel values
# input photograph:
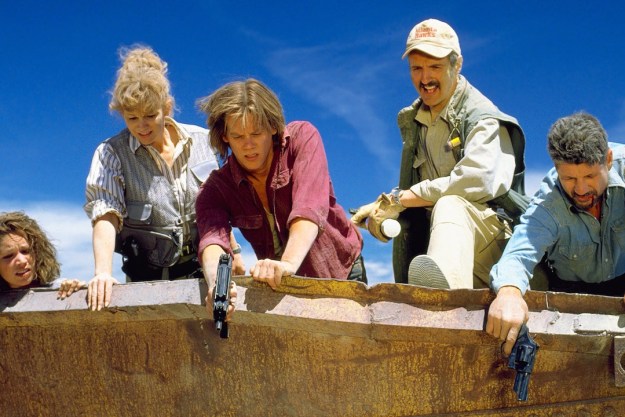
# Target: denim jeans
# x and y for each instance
(358, 272)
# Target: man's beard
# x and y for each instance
(586, 205)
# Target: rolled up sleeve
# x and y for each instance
(105, 185)
(213, 221)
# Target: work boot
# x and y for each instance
(424, 271)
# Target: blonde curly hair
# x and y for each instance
(142, 83)
(47, 268)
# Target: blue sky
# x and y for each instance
(335, 63)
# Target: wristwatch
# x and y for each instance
(395, 194)
(236, 249)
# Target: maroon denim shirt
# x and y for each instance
(298, 186)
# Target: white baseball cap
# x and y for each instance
(434, 38)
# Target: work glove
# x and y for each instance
(361, 215)
(372, 215)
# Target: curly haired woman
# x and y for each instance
(27, 258)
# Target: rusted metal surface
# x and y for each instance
(619, 361)
(312, 348)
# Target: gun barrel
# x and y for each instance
(521, 383)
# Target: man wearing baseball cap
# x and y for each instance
(461, 158)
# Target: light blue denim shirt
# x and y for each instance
(578, 247)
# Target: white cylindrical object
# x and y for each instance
(390, 228)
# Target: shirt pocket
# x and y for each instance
(417, 161)
(251, 222)
(139, 213)
(577, 259)
(577, 252)
(618, 233)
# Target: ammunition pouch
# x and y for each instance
(158, 247)
(161, 247)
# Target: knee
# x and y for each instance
(452, 201)
(450, 209)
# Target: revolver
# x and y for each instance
(522, 360)
(221, 294)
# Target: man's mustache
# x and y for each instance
(430, 84)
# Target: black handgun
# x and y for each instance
(221, 294)
(522, 360)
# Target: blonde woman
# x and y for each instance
(142, 184)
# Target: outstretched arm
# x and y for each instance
(302, 235)
(506, 315)
(100, 287)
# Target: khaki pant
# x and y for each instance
(466, 240)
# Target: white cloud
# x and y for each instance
(533, 179)
(379, 270)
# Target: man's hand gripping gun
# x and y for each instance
(221, 294)
(522, 360)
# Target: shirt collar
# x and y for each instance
(133, 142)
(614, 181)
(185, 137)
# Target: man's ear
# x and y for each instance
(609, 159)
(459, 64)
